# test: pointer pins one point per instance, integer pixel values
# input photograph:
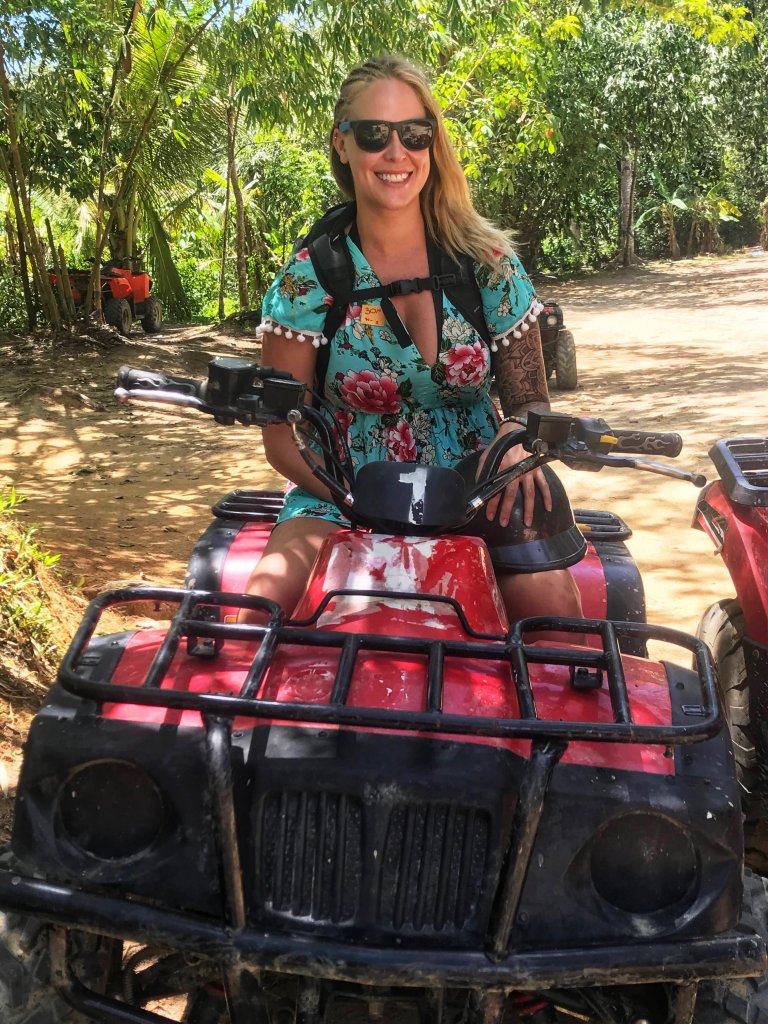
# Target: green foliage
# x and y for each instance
(13, 316)
(25, 621)
(541, 100)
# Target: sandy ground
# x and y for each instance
(122, 492)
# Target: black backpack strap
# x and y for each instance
(332, 264)
(465, 293)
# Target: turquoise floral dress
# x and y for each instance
(391, 403)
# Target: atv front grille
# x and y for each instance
(742, 463)
(310, 855)
(432, 862)
(433, 866)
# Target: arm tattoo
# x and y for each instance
(520, 375)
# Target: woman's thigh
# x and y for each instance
(282, 572)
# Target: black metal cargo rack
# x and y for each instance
(587, 665)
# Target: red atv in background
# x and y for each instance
(733, 511)
(125, 294)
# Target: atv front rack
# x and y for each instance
(192, 622)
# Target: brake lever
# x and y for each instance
(594, 463)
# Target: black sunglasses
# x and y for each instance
(373, 136)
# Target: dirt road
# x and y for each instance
(121, 491)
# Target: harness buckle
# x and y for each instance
(404, 287)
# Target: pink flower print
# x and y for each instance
(344, 419)
(328, 300)
(301, 255)
(400, 444)
(366, 390)
(353, 312)
(465, 365)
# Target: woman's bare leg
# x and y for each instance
(283, 569)
(542, 593)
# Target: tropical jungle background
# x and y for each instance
(193, 133)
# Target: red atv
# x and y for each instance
(733, 511)
(125, 295)
(395, 805)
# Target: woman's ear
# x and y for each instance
(339, 144)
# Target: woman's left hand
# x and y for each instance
(504, 501)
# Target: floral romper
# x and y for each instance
(393, 405)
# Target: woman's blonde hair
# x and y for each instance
(446, 204)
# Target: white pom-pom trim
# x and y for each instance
(494, 347)
(505, 341)
(289, 334)
(516, 334)
(525, 328)
(315, 343)
(277, 330)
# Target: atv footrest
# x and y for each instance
(742, 463)
(597, 526)
(250, 506)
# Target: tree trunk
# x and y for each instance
(223, 270)
(14, 174)
(60, 293)
(242, 270)
(668, 219)
(626, 213)
(19, 257)
(627, 178)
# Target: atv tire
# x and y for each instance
(117, 312)
(549, 366)
(565, 362)
(740, 1000)
(153, 321)
(722, 630)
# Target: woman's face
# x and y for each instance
(393, 178)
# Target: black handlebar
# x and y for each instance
(648, 442)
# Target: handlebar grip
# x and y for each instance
(647, 442)
(133, 378)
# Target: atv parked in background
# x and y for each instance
(733, 511)
(125, 294)
(395, 805)
(559, 347)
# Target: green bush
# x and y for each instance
(25, 622)
(13, 313)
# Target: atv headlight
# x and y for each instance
(551, 320)
(643, 862)
(112, 810)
